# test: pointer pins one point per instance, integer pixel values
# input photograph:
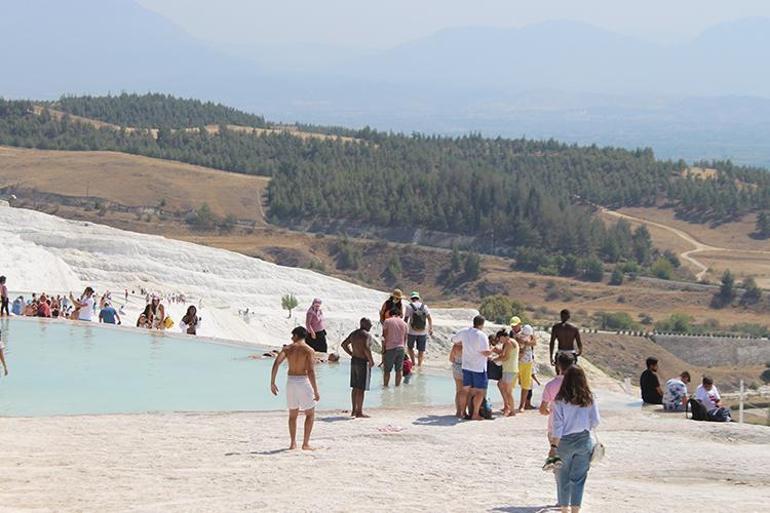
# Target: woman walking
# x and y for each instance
(574, 416)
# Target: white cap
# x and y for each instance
(527, 330)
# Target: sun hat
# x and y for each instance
(515, 321)
(414, 294)
(397, 294)
(527, 330)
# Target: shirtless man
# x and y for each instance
(568, 336)
(301, 387)
(359, 346)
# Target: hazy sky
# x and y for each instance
(386, 23)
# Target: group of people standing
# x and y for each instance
(567, 400)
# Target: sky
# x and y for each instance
(365, 24)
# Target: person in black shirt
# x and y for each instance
(650, 384)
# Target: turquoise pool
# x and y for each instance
(58, 368)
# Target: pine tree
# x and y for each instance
(726, 292)
(752, 294)
(763, 225)
(289, 302)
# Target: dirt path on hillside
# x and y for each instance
(698, 246)
(687, 255)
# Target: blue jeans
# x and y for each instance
(575, 453)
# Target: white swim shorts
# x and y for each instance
(299, 393)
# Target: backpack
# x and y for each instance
(697, 409)
(419, 318)
(486, 409)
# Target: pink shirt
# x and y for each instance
(314, 320)
(3, 290)
(395, 330)
(549, 396)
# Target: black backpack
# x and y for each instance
(699, 412)
(419, 318)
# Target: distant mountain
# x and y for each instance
(560, 55)
(49, 47)
(573, 81)
(725, 60)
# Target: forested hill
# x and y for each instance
(155, 111)
(508, 194)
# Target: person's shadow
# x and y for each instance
(525, 509)
(337, 418)
(437, 420)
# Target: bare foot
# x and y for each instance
(511, 413)
(459, 414)
(362, 416)
(477, 417)
(293, 447)
(307, 448)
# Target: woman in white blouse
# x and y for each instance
(574, 416)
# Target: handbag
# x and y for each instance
(597, 455)
(494, 371)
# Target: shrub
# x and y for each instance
(752, 294)
(619, 321)
(676, 323)
(617, 277)
(202, 218)
(500, 309)
(662, 269)
(348, 255)
(592, 269)
(472, 266)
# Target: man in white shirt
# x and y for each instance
(675, 394)
(417, 316)
(708, 395)
(476, 351)
(85, 304)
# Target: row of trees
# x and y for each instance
(518, 197)
(155, 111)
(729, 194)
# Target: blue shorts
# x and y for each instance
(476, 380)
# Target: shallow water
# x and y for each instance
(64, 368)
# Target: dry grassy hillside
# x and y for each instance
(133, 181)
(703, 248)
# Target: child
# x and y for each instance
(407, 369)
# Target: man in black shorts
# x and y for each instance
(359, 346)
(568, 336)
